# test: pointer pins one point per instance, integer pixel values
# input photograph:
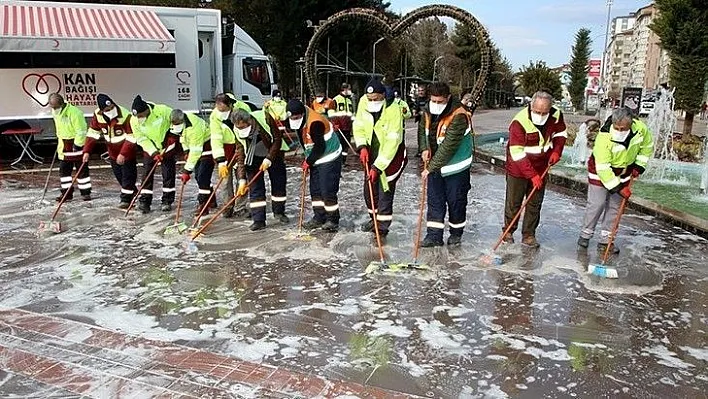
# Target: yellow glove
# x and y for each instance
(242, 188)
(266, 164)
(223, 170)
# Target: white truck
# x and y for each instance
(168, 55)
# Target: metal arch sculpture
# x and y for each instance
(392, 28)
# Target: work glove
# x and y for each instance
(625, 192)
(185, 176)
(425, 155)
(364, 155)
(373, 174)
(242, 188)
(636, 170)
(157, 157)
(223, 170)
(537, 182)
(265, 164)
(305, 166)
(554, 158)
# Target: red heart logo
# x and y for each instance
(39, 87)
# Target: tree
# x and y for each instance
(426, 41)
(538, 76)
(682, 26)
(579, 59)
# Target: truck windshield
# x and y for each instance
(256, 73)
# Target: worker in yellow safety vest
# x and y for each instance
(71, 129)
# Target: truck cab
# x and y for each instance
(248, 72)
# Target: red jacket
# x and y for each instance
(117, 133)
(529, 149)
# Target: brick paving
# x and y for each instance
(46, 356)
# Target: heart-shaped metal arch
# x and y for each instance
(393, 28)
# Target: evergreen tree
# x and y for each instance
(538, 76)
(579, 65)
(682, 26)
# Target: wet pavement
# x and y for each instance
(536, 326)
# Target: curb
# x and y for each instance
(690, 223)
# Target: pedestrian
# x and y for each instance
(447, 131)
(223, 147)
(260, 147)
(537, 135)
(196, 142)
(342, 116)
(378, 134)
(421, 101)
(704, 110)
(322, 151)
(111, 122)
(276, 106)
(71, 129)
(151, 124)
(322, 104)
(621, 153)
(405, 109)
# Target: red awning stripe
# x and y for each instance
(81, 22)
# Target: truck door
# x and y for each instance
(207, 70)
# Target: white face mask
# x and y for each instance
(374, 106)
(539, 119)
(437, 109)
(319, 99)
(619, 135)
(223, 115)
(177, 129)
(277, 98)
(142, 120)
(243, 133)
(295, 124)
(347, 93)
(111, 114)
(56, 111)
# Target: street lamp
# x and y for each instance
(373, 61)
(435, 64)
(604, 49)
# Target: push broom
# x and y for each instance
(195, 223)
(494, 257)
(300, 235)
(601, 269)
(55, 227)
(191, 246)
(178, 226)
(137, 194)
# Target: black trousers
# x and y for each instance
(383, 200)
(257, 192)
(202, 174)
(126, 175)
(83, 180)
(447, 195)
(169, 166)
(324, 188)
(516, 190)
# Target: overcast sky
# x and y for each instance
(537, 30)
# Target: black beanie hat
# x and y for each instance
(103, 100)
(276, 93)
(295, 107)
(375, 86)
(139, 105)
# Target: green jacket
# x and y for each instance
(451, 147)
(71, 124)
(405, 109)
(610, 157)
(344, 106)
(194, 137)
(276, 109)
(151, 134)
(222, 133)
(388, 131)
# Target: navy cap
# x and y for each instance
(295, 107)
(375, 86)
(103, 100)
(139, 105)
